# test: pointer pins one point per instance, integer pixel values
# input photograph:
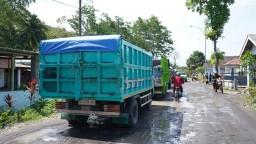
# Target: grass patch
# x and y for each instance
(226, 88)
(41, 108)
(250, 99)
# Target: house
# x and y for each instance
(22, 73)
(226, 65)
(14, 71)
(249, 44)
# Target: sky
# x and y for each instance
(173, 14)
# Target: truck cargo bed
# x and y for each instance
(97, 67)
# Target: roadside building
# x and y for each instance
(17, 67)
(249, 44)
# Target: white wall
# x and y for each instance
(1, 78)
(20, 98)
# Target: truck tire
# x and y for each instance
(133, 113)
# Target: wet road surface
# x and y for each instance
(202, 117)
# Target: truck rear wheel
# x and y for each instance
(133, 113)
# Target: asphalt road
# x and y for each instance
(202, 117)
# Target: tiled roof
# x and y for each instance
(233, 62)
(227, 61)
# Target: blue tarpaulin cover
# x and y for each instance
(82, 43)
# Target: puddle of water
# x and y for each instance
(47, 139)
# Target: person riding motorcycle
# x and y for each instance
(177, 82)
(215, 77)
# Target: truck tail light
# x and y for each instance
(61, 105)
(111, 108)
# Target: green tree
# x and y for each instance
(248, 62)
(196, 59)
(217, 14)
(88, 23)
(148, 34)
(13, 15)
(220, 56)
(55, 32)
(151, 35)
(200, 69)
(32, 33)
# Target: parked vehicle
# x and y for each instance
(96, 77)
(161, 76)
(177, 94)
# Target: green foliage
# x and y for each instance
(31, 33)
(19, 28)
(248, 62)
(4, 118)
(41, 108)
(151, 35)
(195, 60)
(44, 107)
(217, 15)
(148, 34)
(55, 32)
(250, 99)
(220, 56)
(30, 114)
(200, 69)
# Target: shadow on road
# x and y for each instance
(160, 124)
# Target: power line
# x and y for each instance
(65, 4)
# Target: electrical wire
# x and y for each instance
(65, 4)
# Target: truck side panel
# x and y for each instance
(137, 71)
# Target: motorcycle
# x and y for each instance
(177, 94)
(218, 85)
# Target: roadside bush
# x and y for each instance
(250, 99)
(200, 78)
(44, 107)
(4, 118)
(41, 108)
(30, 114)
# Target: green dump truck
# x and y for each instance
(161, 76)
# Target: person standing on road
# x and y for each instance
(210, 77)
(206, 78)
(177, 82)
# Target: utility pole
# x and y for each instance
(204, 44)
(118, 25)
(80, 17)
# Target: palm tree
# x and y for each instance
(32, 33)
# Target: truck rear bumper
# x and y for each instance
(80, 112)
